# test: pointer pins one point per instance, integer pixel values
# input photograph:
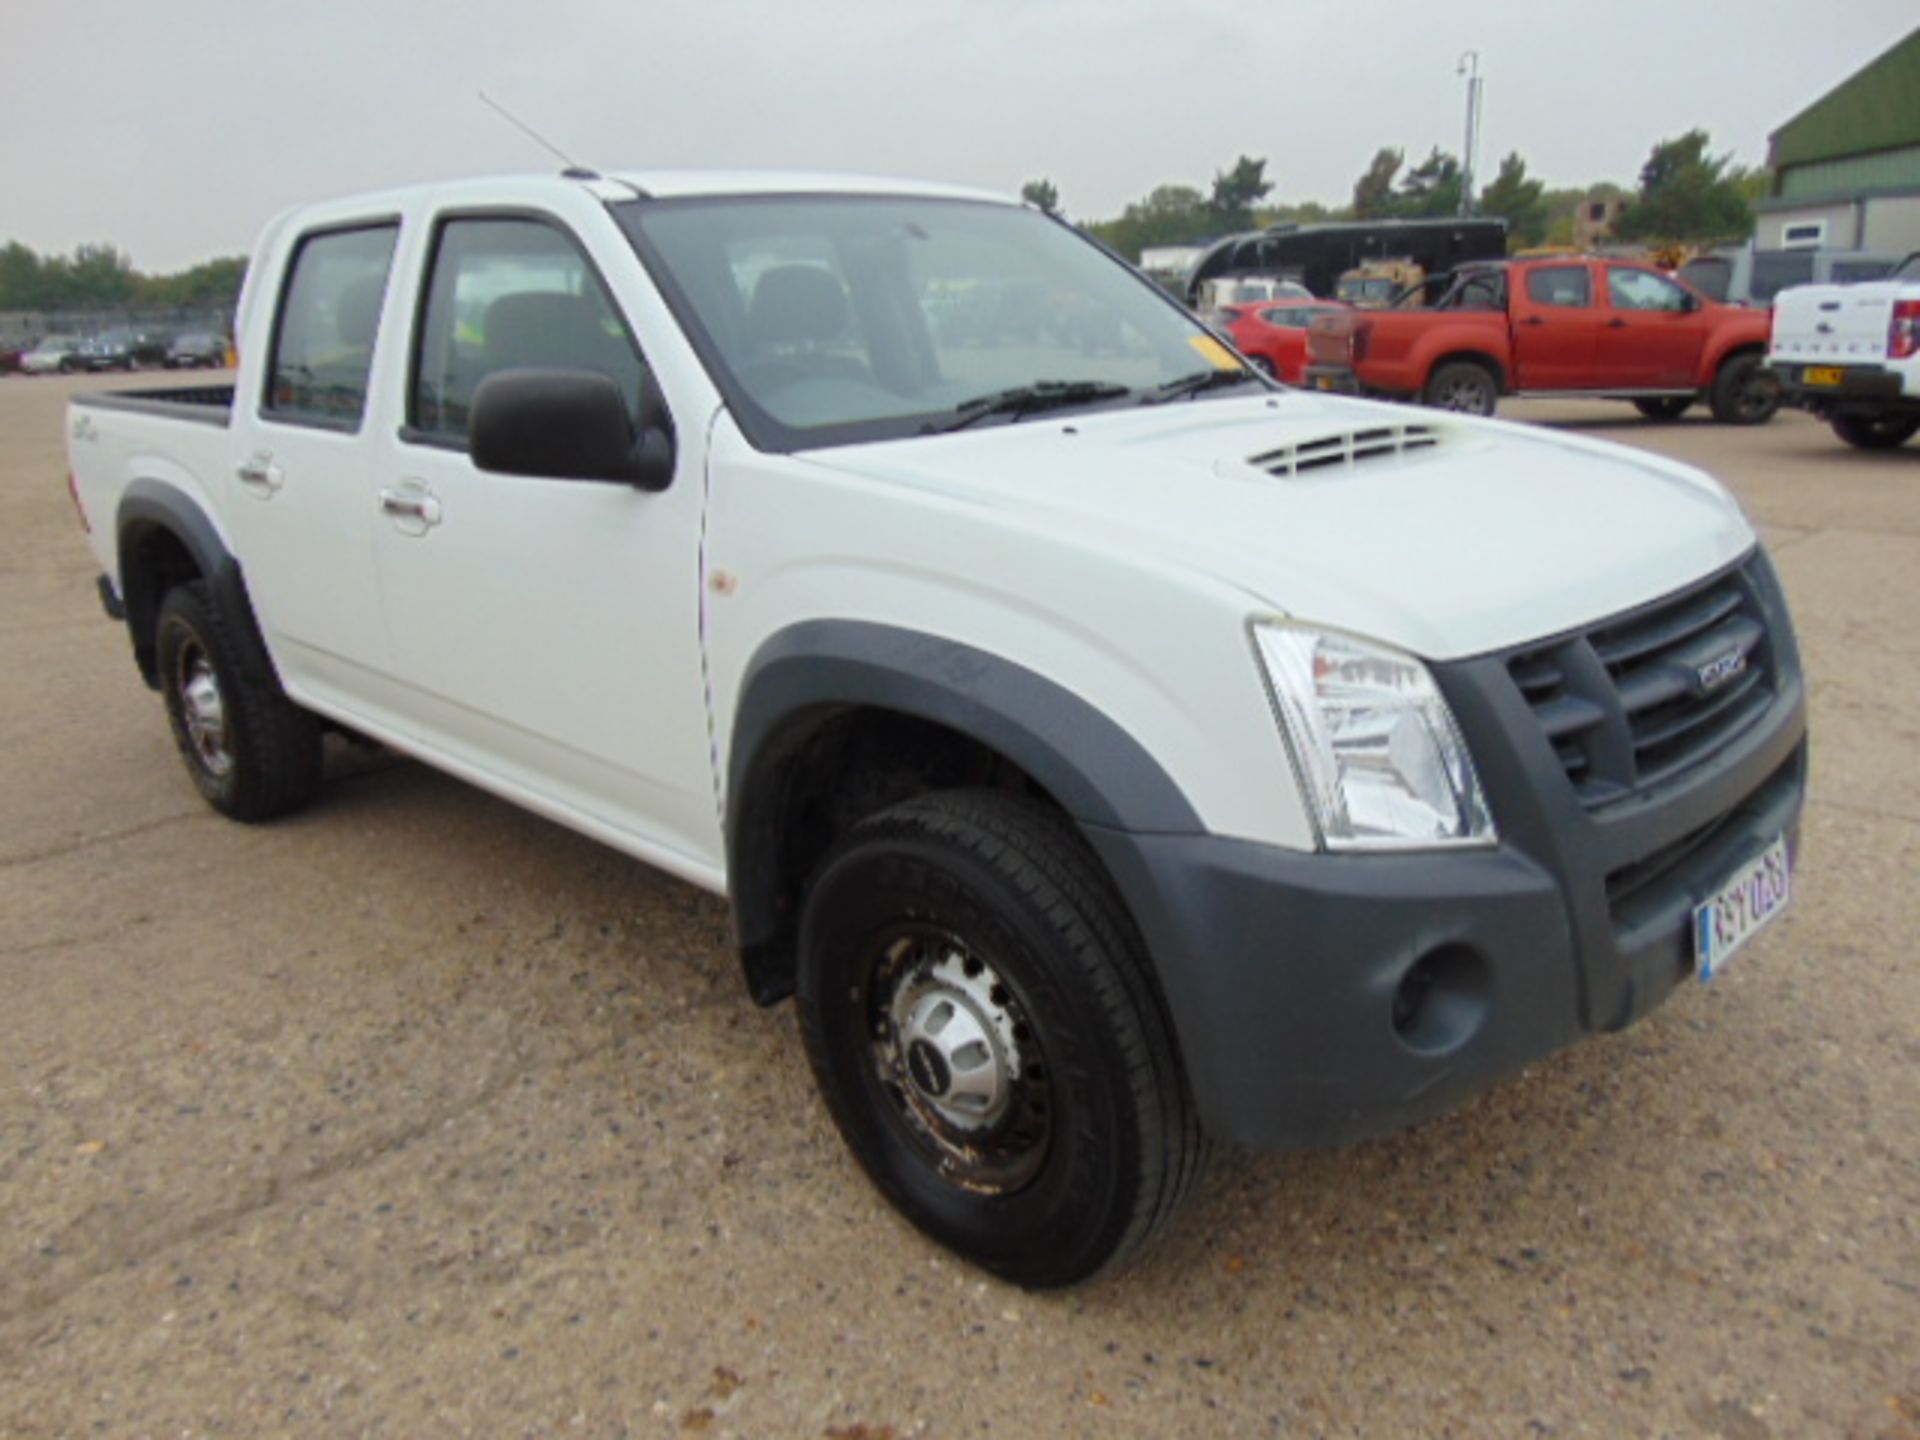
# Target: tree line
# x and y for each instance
(1686, 196)
(99, 277)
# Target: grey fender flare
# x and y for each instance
(148, 507)
(802, 676)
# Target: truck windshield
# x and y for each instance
(831, 320)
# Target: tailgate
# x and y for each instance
(1337, 338)
(1835, 322)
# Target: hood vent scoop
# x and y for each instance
(1343, 451)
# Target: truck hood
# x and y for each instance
(1443, 535)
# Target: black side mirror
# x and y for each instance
(568, 425)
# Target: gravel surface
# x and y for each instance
(416, 1116)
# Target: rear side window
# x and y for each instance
(1293, 317)
(1711, 275)
(511, 294)
(329, 319)
(1564, 285)
(1852, 272)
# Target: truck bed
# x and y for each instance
(203, 404)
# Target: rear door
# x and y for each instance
(1652, 332)
(1555, 328)
(548, 630)
(302, 487)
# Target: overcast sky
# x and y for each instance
(174, 128)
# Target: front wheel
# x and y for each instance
(253, 754)
(984, 1031)
(1463, 386)
(1744, 391)
(1876, 432)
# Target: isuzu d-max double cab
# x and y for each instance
(1567, 325)
(1112, 751)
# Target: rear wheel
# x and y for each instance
(1463, 386)
(1876, 432)
(252, 753)
(1663, 407)
(1744, 391)
(980, 1020)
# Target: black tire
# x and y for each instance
(1663, 407)
(1876, 432)
(252, 753)
(1744, 391)
(1053, 1134)
(1263, 365)
(1464, 386)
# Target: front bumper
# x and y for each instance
(1321, 998)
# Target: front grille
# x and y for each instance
(1353, 447)
(1642, 698)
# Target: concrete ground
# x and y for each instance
(416, 1116)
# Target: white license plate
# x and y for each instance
(1757, 892)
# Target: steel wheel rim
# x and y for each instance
(1757, 394)
(957, 1062)
(1464, 396)
(203, 710)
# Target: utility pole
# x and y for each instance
(1469, 66)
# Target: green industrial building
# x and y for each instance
(1847, 168)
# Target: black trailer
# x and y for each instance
(1318, 255)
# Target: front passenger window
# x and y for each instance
(511, 294)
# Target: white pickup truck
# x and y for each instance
(1113, 751)
(1851, 354)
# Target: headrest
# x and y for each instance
(793, 303)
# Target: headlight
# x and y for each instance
(1374, 743)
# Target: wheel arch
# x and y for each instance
(1467, 355)
(165, 539)
(1719, 354)
(840, 718)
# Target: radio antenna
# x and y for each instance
(574, 170)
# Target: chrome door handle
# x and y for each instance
(258, 472)
(411, 502)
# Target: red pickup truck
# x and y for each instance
(1568, 325)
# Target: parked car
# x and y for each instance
(10, 353)
(1566, 326)
(1273, 335)
(1742, 275)
(56, 353)
(1218, 294)
(122, 350)
(112, 350)
(196, 350)
(1105, 758)
(1851, 355)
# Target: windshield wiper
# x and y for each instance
(1026, 400)
(1199, 382)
